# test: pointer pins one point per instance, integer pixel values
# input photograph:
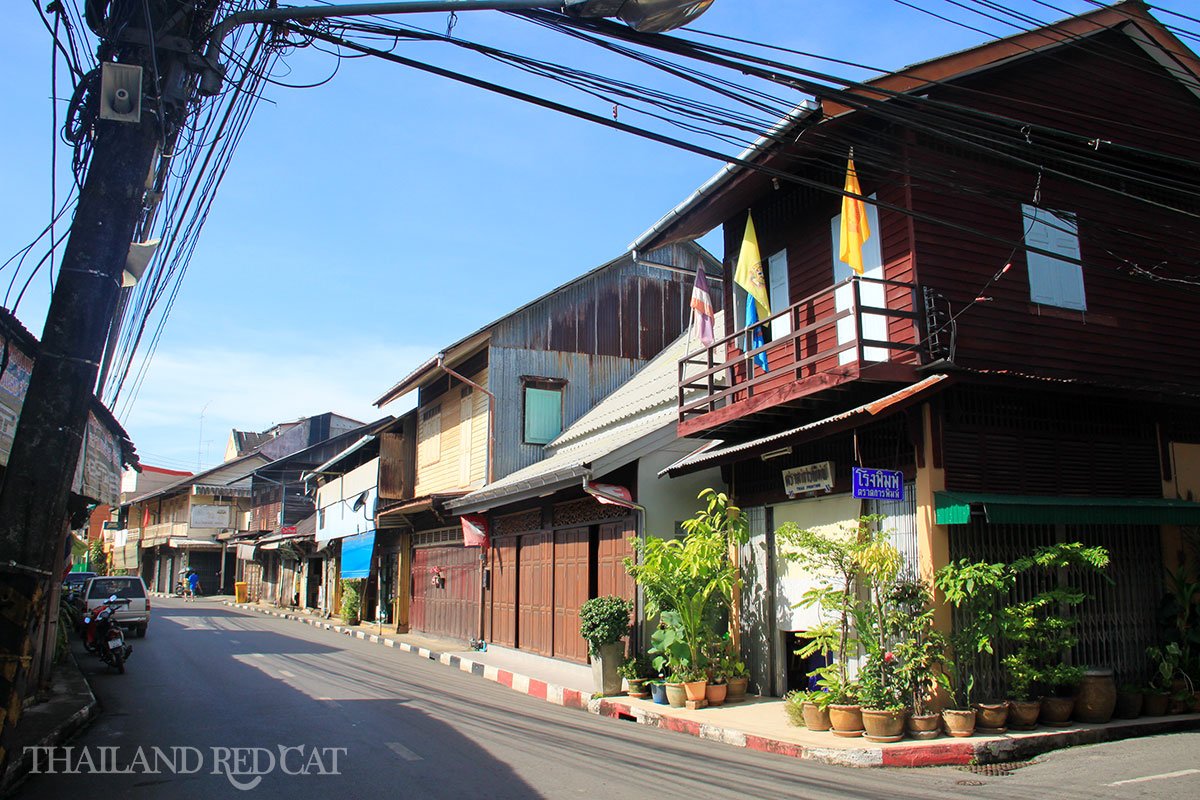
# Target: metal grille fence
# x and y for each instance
(1118, 620)
(901, 523)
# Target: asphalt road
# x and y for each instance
(316, 714)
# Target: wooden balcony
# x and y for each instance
(823, 347)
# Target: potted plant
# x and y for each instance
(1129, 701)
(737, 676)
(1023, 676)
(637, 672)
(883, 709)
(793, 706)
(814, 709)
(975, 588)
(351, 607)
(603, 623)
(921, 655)
(1057, 705)
(1170, 686)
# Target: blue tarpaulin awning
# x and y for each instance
(356, 555)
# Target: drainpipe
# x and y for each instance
(491, 447)
(640, 516)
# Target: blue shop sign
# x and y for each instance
(878, 484)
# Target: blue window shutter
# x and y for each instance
(543, 415)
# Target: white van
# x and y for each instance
(136, 615)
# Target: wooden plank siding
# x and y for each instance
(502, 596)
(441, 471)
(571, 591)
(451, 609)
(535, 598)
(1122, 333)
(612, 549)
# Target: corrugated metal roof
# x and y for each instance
(221, 475)
(887, 403)
(468, 344)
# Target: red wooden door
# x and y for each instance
(611, 577)
(504, 592)
(450, 608)
(535, 594)
(571, 567)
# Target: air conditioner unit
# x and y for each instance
(121, 92)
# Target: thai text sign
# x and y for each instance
(208, 516)
(809, 478)
(878, 484)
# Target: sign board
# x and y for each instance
(878, 484)
(208, 516)
(809, 478)
(112, 526)
(288, 530)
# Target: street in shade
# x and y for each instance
(239, 704)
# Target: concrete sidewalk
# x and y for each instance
(756, 723)
(69, 708)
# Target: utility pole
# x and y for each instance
(49, 435)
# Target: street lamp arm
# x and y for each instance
(213, 72)
(648, 16)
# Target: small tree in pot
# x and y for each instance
(603, 623)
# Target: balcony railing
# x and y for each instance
(158, 534)
(860, 328)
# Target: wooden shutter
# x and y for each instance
(571, 568)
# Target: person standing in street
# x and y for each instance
(193, 582)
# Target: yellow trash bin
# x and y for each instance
(241, 591)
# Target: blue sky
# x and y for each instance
(367, 223)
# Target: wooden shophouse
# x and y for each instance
(1020, 343)
(488, 405)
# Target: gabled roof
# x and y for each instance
(725, 193)
(227, 473)
(339, 441)
(468, 345)
(634, 420)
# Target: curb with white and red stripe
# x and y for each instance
(934, 754)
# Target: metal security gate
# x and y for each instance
(901, 523)
(1118, 620)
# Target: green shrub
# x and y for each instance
(604, 620)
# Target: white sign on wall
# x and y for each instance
(212, 517)
(809, 478)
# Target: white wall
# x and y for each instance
(336, 515)
(671, 500)
(829, 514)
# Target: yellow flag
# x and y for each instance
(749, 273)
(855, 229)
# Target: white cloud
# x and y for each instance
(251, 390)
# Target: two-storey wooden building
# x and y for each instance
(488, 404)
(1020, 344)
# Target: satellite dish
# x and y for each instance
(359, 501)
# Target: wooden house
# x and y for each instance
(1019, 345)
(488, 405)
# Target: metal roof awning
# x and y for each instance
(194, 544)
(867, 412)
(955, 508)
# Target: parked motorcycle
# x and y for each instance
(104, 637)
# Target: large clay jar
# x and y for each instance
(737, 689)
(1023, 714)
(883, 726)
(924, 726)
(959, 723)
(846, 720)
(816, 718)
(991, 717)
(1056, 711)
(1097, 697)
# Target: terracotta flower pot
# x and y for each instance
(637, 687)
(676, 695)
(991, 717)
(815, 717)
(924, 726)
(715, 693)
(1023, 714)
(1129, 705)
(959, 723)
(1056, 711)
(737, 689)
(883, 726)
(846, 720)
(1154, 704)
(694, 689)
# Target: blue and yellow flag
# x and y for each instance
(749, 273)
